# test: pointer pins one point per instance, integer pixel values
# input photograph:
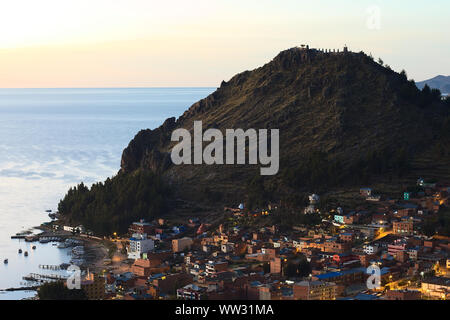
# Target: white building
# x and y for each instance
(79, 229)
(139, 244)
(370, 249)
(314, 198)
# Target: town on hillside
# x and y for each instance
(388, 248)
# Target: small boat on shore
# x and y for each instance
(62, 245)
(5, 261)
(64, 266)
(78, 251)
(20, 250)
(31, 238)
(26, 254)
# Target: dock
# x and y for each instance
(42, 278)
(50, 267)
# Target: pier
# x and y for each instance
(21, 288)
(42, 278)
(50, 267)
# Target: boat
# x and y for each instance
(78, 251)
(64, 266)
(33, 247)
(5, 261)
(31, 238)
(77, 261)
(26, 254)
(48, 210)
(63, 245)
(20, 250)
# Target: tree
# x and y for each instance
(111, 206)
(304, 268)
(404, 75)
(58, 291)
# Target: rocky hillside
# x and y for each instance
(344, 121)
(440, 82)
(340, 109)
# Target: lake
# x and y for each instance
(52, 139)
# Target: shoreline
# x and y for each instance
(100, 256)
(95, 249)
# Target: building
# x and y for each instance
(370, 249)
(213, 267)
(139, 244)
(141, 227)
(366, 192)
(191, 292)
(403, 295)
(339, 218)
(145, 267)
(227, 247)
(344, 277)
(345, 258)
(179, 245)
(337, 246)
(276, 266)
(347, 237)
(436, 288)
(351, 218)
(314, 290)
(94, 287)
(396, 247)
(168, 283)
(403, 227)
(78, 229)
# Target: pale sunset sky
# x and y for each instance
(145, 43)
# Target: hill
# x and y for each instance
(344, 120)
(440, 82)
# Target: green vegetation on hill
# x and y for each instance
(298, 268)
(58, 291)
(344, 121)
(439, 223)
(111, 206)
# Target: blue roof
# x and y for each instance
(287, 291)
(408, 205)
(385, 270)
(255, 283)
(365, 296)
(330, 275)
(158, 275)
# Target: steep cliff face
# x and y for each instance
(343, 105)
(143, 150)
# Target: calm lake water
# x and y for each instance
(51, 139)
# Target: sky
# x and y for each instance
(147, 43)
